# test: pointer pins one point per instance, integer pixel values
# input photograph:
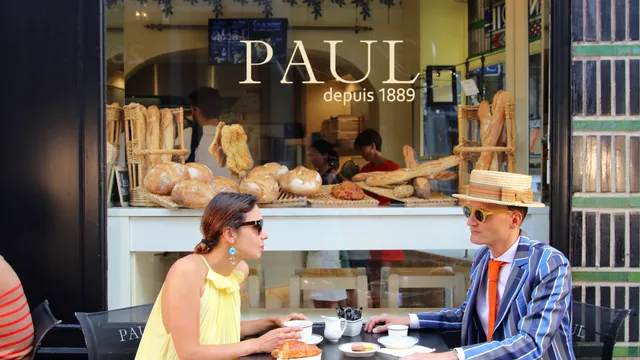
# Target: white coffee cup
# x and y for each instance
(306, 325)
(397, 332)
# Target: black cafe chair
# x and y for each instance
(43, 322)
(115, 334)
(595, 330)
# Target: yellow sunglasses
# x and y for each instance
(480, 214)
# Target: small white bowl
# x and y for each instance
(354, 327)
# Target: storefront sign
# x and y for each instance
(495, 19)
(385, 94)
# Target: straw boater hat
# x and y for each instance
(502, 188)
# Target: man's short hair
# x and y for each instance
(520, 209)
(208, 100)
(367, 138)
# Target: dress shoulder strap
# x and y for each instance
(205, 262)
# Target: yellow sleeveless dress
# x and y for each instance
(219, 318)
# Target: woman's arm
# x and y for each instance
(181, 315)
(253, 327)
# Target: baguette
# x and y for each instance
(422, 188)
(141, 131)
(403, 191)
(364, 176)
(153, 133)
(491, 129)
(167, 134)
(409, 157)
(427, 169)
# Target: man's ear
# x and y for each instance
(516, 219)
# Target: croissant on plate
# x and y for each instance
(294, 349)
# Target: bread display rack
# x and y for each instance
(470, 149)
(435, 199)
(139, 155)
(324, 199)
(285, 199)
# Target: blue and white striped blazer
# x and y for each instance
(534, 319)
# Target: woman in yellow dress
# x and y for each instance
(197, 313)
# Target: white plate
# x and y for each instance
(399, 343)
(346, 349)
(314, 339)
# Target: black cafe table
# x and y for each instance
(330, 351)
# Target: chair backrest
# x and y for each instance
(43, 321)
(595, 330)
(114, 334)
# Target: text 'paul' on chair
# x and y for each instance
(43, 322)
(114, 334)
(328, 279)
(595, 330)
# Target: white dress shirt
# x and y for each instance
(482, 303)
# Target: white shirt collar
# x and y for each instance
(510, 254)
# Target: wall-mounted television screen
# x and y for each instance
(225, 35)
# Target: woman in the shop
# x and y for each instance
(325, 160)
(197, 313)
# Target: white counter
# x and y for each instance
(137, 238)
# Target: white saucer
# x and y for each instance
(400, 343)
(346, 349)
(314, 339)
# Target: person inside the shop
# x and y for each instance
(197, 312)
(369, 143)
(16, 334)
(206, 107)
(519, 303)
(325, 160)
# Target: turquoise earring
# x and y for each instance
(232, 253)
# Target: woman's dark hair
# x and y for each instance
(325, 148)
(226, 209)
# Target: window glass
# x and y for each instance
(349, 87)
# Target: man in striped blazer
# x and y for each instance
(519, 302)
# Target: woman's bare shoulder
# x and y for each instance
(243, 267)
(188, 266)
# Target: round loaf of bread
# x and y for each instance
(193, 194)
(265, 188)
(272, 169)
(301, 181)
(347, 191)
(161, 178)
(197, 171)
(222, 184)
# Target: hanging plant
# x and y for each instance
(365, 10)
(291, 2)
(217, 7)
(242, 2)
(339, 2)
(111, 3)
(316, 7)
(389, 3)
(267, 9)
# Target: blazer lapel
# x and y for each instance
(467, 319)
(516, 279)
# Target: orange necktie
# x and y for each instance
(494, 272)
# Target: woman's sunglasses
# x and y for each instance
(480, 214)
(256, 224)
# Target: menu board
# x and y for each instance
(225, 36)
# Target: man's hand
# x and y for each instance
(280, 320)
(386, 320)
(449, 355)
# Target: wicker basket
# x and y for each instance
(469, 146)
(136, 155)
(114, 129)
